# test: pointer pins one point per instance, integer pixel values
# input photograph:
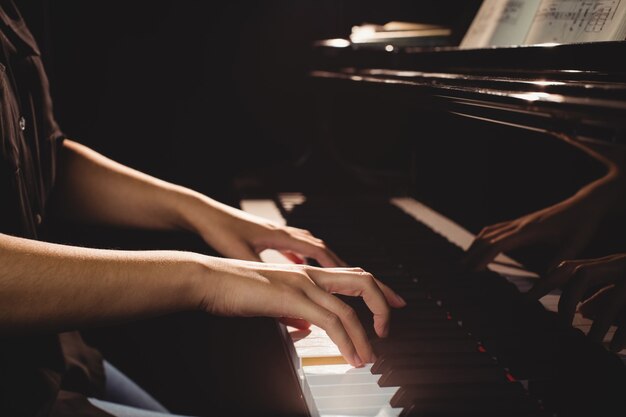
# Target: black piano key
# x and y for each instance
(395, 361)
(442, 375)
(409, 333)
(409, 394)
(383, 346)
(423, 267)
(471, 407)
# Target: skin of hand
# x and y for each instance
(47, 287)
(568, 225)
(607, 277)
(237, 234)
(93, 188)
(304, 292)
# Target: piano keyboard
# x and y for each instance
(441, 359)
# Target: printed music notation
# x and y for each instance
(566, 21)
(527, 22)
(589, 16)
(512, 13)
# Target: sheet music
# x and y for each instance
(571, 21)
(500, 23)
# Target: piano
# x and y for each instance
(468, 343)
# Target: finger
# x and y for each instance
(613, 306)
(494, 228)
(348, 317)
(297, 323)
(489, 250)
(619, 339)
(248, 254)
(480, 249)
(392, 297)
(329, 322)
(358, 284)
(586, 275)
(293, 257)
(594, 304)
(568, 251)
(557, 278)
(315, 250)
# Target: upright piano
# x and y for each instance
(406, 122)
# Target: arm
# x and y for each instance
(46, 287)
(92, 188)
(568, 224)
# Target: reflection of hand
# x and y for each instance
(569, 225)
(240, 235)
(607, 276)
(300, 292)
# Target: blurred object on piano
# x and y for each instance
(395, 34)
(530, 22)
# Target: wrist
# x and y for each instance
(191, 209)
(202, 285)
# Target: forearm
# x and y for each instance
(608, 192)
(93, 188)
(49, 287)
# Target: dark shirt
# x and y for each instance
(40, 375)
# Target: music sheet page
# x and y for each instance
(572, 21)
(500, 23)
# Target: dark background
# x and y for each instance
(215, 95)
(200, 92)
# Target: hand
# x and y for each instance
(569, 224)
(606, 276)
(240, 235)
(301, 292)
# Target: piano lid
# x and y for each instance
(577, 89)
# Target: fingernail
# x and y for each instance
(385, 331)
(401, 300)
(358, 362)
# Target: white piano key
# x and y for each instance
(343, 379)
(339, 375)
(353, 401)
(353, 389)
(338, 369)
(386, 411)
(347, 378)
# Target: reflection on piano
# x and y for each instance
(468, 343)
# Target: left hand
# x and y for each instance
(605, 275)
(240, 235)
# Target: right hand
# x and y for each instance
(242, 288)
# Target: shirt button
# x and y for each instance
(38, 219)
(22, 123)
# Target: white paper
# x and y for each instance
(572, 21)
